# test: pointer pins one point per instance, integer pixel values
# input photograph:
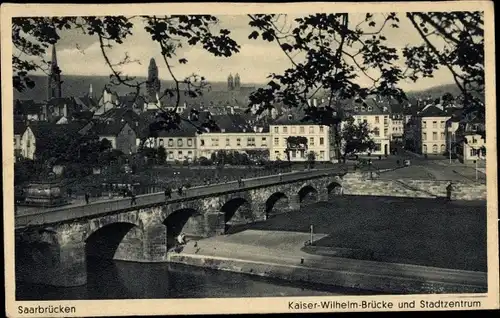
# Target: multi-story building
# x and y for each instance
(235, 134)
(120, 134)
(471, 144)
(290, 126)
(397, 127)
(431, 128)
(377, 115)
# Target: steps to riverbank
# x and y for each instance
(278, 254)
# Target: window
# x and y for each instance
(321, 129)
(179, 154)
(434, 124)
(264, 141)
(434, 148)
(276, 130)
(202, 142)
(322, 155)
(377, 120)
(356, 108)
(359, 120)
(276, 141)
(170, 155)
(228, 142)
(215, 142)
(321, 141)
(294, 153)
(424, 136)
(251, 141)
(179, 142)
(473, 152)
(277, 154)
(285, 130)
(294, 130)
(376, 132)
(15, 142)
(285, 142)
(311, 141)
(190, 142)
(238, 142)
(161, 142)
(424, 124)
(386, 131)
(190, 154)
(442, 124)
(301, 129)
(434, 135)
(170, 142)
(425, 149)
(369, 108)
(443, 148)
(311, 129)
(442, 136)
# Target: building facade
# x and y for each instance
(432, 133)
(317, 140)
(379, 122)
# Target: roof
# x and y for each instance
(19, 127)
(108, 129)
(51, 130)
(372, 106)
(435, 111)
(27, 106)
(128, 101)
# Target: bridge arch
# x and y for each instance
(237, 211)
(334, 188)
(117, 240)
(276, 203)
(184, 220)
(307, 194)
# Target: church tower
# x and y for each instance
(153, 83)
(54, 82)
(230, 83)
(237, 83)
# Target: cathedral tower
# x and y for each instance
(54, 81)
(230, 83)
(237, 83)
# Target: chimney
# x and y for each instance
(65, 111)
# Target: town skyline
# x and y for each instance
(255, 61)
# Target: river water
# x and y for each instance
(126, 280)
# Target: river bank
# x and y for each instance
(279, 254)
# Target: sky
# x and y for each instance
(80, 54)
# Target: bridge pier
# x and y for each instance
(214, 223)
(322, 195)
(155, 244)
(46, 257)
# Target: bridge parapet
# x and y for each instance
(63, 214)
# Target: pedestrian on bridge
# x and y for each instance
(240, 182)
(132, 200)
(179, 191)
(168, 193)
(87, 197)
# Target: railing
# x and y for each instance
(62, 214)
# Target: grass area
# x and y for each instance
(403, 230)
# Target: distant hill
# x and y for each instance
(435, 92)
(76, 85)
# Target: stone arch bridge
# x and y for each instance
(52, 246)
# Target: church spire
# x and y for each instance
(230, 83)
(54, 83)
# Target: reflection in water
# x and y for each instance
(127, 280)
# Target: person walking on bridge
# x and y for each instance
(168, 193)
(87, 198)
(179, 191)
(132, 200)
